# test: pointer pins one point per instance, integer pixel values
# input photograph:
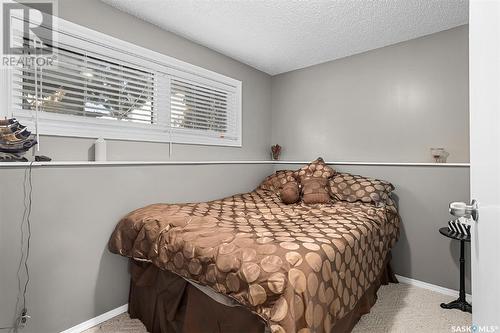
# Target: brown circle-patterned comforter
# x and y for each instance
(300, 267)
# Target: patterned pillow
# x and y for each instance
(315, 190)
(290, 192)
(351, 188)
(276, 181)
(314, 181)
(316, 169)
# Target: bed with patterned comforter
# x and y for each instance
(300, 267)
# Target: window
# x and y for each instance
(100, 86)
(203, 110)
(82, 85)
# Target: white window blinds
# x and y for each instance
(202, 109)
(84, 85)
(100, 86)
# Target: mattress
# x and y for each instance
(218, 297)
(300, 267)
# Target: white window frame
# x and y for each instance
(100, 43)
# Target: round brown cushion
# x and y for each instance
(290, 193)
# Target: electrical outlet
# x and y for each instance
(22, 321)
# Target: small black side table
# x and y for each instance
(460, 303)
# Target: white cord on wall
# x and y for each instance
(36, 123)
(170, 144)
(37, 99)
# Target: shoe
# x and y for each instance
(16, 137)
(8, 157)
(9, 129)
(18, 147)
(6, 122)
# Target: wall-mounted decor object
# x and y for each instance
(275, 152)
(439, 154)
(15, 141)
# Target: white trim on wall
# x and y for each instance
(122, 309)
(97, 320)
(432, 287)
(379, 163)
(139, 163)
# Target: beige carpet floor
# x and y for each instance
(401, 308)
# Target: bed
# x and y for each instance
(251, 263)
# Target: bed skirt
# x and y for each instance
(166, 303)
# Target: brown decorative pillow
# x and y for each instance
(315, 190)
(351, 188)
(290, 192)
(316, 169)
(276, 181)
(314, 181)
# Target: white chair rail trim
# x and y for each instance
(139, 163)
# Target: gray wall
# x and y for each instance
(73, 276)
(390, 104)
(423, 195)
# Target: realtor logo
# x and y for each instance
(28, 32)
(23, 27)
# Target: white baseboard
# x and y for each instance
(97, 320)
(433, 287)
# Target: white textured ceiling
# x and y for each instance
(277, 36)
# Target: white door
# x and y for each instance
(484, 51)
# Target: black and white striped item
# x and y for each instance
(458, 227)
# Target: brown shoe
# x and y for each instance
(6, 122)
(16, 137)
(17, 147)
(9, 129)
